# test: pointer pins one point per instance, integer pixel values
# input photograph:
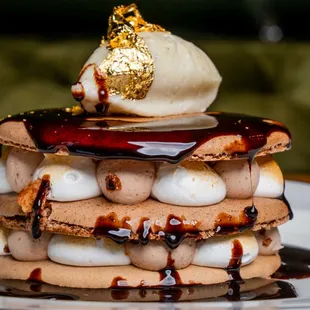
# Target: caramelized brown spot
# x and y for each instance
(28, 195)
(113, 183)
(267, 242)
(6, 249)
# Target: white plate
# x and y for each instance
(296, 232)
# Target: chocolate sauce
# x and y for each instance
(96, 137)
(79, 95)
(169, 275)
(118, 291)
(36, 276)
(176, 230)
(144, 230)
(6, 249)
(111, 227)
(295, 264)
(226, 223)
(143, 293)
(38, 203)
(283, 198)
(233, 271)
(170, 294)
(118, 282)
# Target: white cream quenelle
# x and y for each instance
(185, 80)
(72, 177)
(217, 251)
(5, 187)
(77, 251)
(271, 181)
(188, 184)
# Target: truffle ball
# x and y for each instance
(20, 167)
(155, 255)
(24, 248)
(236, 175)
(126, 181)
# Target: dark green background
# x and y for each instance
(44, 45)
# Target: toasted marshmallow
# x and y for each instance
(5, 187)
(269, 241)
(77, 251)
(72, 177)
(271, 181)
(20, 167)
(188, 184)
(176, 89)
(237, 176)
(4, 248)
(217, 251)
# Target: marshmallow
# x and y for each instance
(188, 184)
(271, 181)
(217, 251)
(24, 248)
(126, 181)
(269, 241)
(155, 255)
(77, 251)
(4, 247)
(20, 167)
(236, 175)
(176, 89)
(5, 187)
(72, 177)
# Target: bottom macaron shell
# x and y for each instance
(126, 276)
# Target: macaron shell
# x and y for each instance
(103, 277)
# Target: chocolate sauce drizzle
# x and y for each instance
(38, 204)
(233, 271)
(97, 137)
(111, 227)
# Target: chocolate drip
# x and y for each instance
(111, 227)
(233, 271)
(226, 223)
(38, 204)
(94, 136)
(36, 276)
(176, 230)
(283, 198)
(144, 230)
(119, 291)
(170, 295)
(295, 264)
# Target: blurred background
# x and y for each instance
(260, 47)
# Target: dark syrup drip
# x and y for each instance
(176, 231)
(81, 134)
(37, 205)
(144, 230)
(118, 292)
(233, 271)
(111, 227)
(295, 264)
(36, 276)
(226, 223)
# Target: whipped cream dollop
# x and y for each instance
(77, 251)
(4, 248)
(188, 184)
(217, 251)
(271, 181)
(72, 177)
(185, 80)
(5, 187)
(269, 241)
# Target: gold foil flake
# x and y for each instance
(129, 65)
(75, 110)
